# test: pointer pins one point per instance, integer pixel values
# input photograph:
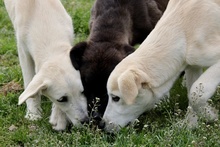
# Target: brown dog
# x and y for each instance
(115, 26)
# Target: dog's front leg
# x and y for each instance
(201, 91)
(58, 118)
(192, 73)
(28, 71)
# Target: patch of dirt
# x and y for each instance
(10, 87)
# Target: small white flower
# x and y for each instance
(137, 121)
(193, 142)
(145, 126)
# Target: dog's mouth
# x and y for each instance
(84, 121)
(128, 124)
(69, 127)
(113, 128)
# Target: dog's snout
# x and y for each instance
(101, 124)
(96, 116)
(85, 120)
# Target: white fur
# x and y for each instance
(44, 34)
(187, 37)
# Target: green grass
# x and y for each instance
(155, 128)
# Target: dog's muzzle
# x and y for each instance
(101, 125)
(85, 121)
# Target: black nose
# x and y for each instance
(101, 125)
(96, 116)
(85, 120)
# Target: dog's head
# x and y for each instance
(129, 96)
(96, 60)
(61, 83)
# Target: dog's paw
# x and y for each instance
(59, 123)
(58, 119)
(32, 116)
(210, 113)
(60, 126)
(190, 121)
(53, 121)
(33, 113)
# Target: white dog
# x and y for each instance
(44, 34)
(187, 37)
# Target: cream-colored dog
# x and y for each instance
(187, 37)
(44, 34)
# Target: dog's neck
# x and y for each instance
(59, 50)
(161, 58)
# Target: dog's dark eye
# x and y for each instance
(63, 99)
(115, 98)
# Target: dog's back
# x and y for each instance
(41, 23)
(124, 21)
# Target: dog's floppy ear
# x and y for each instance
(128, 49)
(34, 87)
(130, 82)
(76, 54)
